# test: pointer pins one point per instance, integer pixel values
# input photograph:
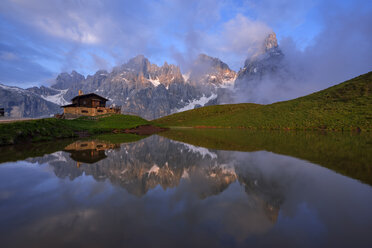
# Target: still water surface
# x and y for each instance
(159, 192)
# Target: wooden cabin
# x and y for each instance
(88, 105)
(2, 112)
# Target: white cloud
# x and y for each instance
(236, 40)
(242, 35)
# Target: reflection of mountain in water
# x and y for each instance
(143, 165)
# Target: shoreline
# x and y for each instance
(32, 131)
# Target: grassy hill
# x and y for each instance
(52, 128)
(346, 106)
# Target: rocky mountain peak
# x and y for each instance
(210, 71)
(269, 53)
(270, 42)
(65, 80)
(211, 62)
(101, 72)
(140, 61)
(267, 66)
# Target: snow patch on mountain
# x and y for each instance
(186, 76)
(58, 98)
(155, 82)
(201, 101)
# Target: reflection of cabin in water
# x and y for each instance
(88, 105)
(2, 112)
(89, 152)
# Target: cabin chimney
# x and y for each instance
(80, 92)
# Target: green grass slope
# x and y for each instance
(346, 106)
(51, 128)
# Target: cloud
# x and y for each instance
(234, 40)
(340, 51)
(100, 62)
(238, 39)
(78, 21)
(242, 35)
(282, 12)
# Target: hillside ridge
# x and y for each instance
(345, 106)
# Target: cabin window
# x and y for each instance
(84, 102)
(100, 111)
(84, 111)
(99, 146)
(83, 145)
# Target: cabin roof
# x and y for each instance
(89, 95)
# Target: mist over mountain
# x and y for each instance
(267, 69)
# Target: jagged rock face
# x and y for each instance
(208, 71)
(44, 91)
(267, 65)
(265, 62)
(65, 80)
(20, 103)
(270, 42)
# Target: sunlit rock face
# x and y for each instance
(210, 71)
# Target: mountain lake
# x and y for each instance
(189, 188)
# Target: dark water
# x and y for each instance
(158, 192)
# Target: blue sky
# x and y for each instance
(41, 38)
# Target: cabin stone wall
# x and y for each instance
(73, 112)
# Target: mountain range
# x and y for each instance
(148, 90)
